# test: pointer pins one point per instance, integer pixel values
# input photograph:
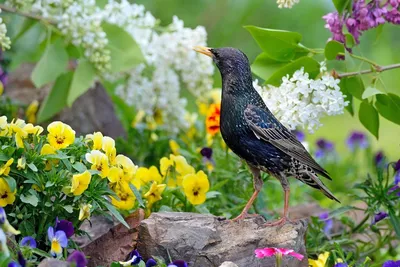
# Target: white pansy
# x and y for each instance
(301, 102)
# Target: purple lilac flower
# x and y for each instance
(391, 264)
(66, 226)
(379, 217)
(357, 140)
(334, 23)
(178, 263)
(28, 241)
(341, 264)
(328, 222)
(78, 258)
(151, 262)
(324, 147)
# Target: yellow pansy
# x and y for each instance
(60, 135)
(3, 125)
(117, 176)
(80, 182)
(30, 129)
(84, 212)
(126, 197)
(320, 262)
(165, 165)
(138, 118)
(174, 146)
(149, 174)
(154, 193)
(182, 168)
(17, 127)
(97, 139)
(127, 166)
(49, 150)
(31, 111)
(21, 163)
(5, 169)
(195, 187)
(109, 148)
(99, 162)
(6, 196)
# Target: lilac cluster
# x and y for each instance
(363, 16)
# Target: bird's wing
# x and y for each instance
(267, 128)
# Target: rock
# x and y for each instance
(228, 264)
(53, 263)
(207, 240)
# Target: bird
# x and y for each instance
(253, 133)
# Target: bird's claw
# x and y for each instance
(243, 216)
(279, 222)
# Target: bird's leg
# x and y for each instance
(258, 183)
(286, 188)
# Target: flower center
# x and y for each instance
(4, 195)
(60, 139)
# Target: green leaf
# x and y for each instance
(79, 166)
(354, 86)
(30, 199)
(394, 219)
(117, 215)
(350, 41)
(11, 183)
(56, 100)
(332, 49)
(340, 211)
(52, 64)
(279, 45)
(348, 97)
(212, 194)
(69, 208)
(115, 264)
(81, 82)
(32, 167)
(125, 52)
(264, 66)
(369, 117)
(311, 66)
(142, 264)
(371, 91)
(341, 5)
(389, 107)
(137, 194)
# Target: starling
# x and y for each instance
(253, 133)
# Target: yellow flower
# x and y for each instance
(99, 162)
(165, 165)
(60, 135)
(97, 139)
(109, 148)
(17, 127)
(30, 129)
(84, 212)
(3, 125)
(195, 187)
(321, 262)
(80, 182)
(21, 163)
(138, 118)
(213, 119)
(177, 163)
(5, 169)
(126, 197)
(174, 146)
(6, 196)
(31, 111)
(149, 174)
(49, 150)
(1, 88)
(127, 166)
(154, 193)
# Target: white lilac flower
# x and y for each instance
(286, 3)
(5, 41)
(301, 102)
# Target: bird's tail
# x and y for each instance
(311, 179)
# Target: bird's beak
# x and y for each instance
(204, 50)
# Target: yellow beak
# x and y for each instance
(204, 50)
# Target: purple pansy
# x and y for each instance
(178, 263)
(207, 153)
(357, 140)
(341, 264)
(299, 135)
(379, 217)
(78, 258)
(3, 216)
(328, 222)
(391, 264)
(132, 259)
(28, 241)
(21, 261)
(66, 226)
(379, 159)
(324, 147)
(151, 262)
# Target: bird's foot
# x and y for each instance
(243, 216)
(279, 222)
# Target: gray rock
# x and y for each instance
(53, 263)
(228, 264)
(206, 240)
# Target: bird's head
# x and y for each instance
(231, 62)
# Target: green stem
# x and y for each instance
(374, 64)
(24, 14)
(278, 260)
(358, 226)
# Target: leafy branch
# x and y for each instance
(375, 68)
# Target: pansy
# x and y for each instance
(213, 118)
(182, 168)
(5, 225)
(151, 263)
(6, 196)
(84, 212)
(379, 217)
(357, 140)
(178, 263)
(3, 244)
(21, 261)
(21, 163)
(78, 258)
(328, 222)
(99, 162)
(154, 193)
(149, 174)
(49, 150)
(60, 135)
(391, 263)
(195, 187)
(28, 241)
(208, 160)
(127, 166)
(320, 262)
(58, 241)
(269, 252)
(97, 140)
(324, 148)
(379, 159)
(109, 149)
(341, 264)
(5, 169)
(66, 226)
(80, 182)
(126, 197)
(31, 111)
(174, 146)
(30, 129)
(16, 127)
(134, 258)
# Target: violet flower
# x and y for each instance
(341, 264)
(324, 148)
(379, 217)
(151, 263)
(28, 241)
(178, 263)
(357, 140)
(299, 135)
(328, 222)
(391, 264)
(132, 259)
(78, 258)
(65, 226)
(379, 159)
(208, 160)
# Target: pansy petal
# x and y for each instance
(50, 233)
(62, 238)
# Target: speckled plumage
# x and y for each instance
(253, 133)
